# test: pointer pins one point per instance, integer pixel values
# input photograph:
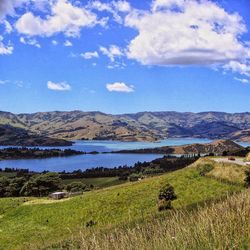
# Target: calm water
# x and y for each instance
(105, 160)
(107, 146)
(78, 162)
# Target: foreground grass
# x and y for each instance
(219, 225)
(34, 225)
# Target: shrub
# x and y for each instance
(76, 187)
(247, 179)
(166, 195)
(134, 177)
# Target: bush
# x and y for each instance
(166, 195)
(247, 179)
(134, 177)
(204, 169)
(76, 187)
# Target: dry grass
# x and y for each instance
(221, 225)
(230, 172)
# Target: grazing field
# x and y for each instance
(43, 224)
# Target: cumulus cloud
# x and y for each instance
(67, 43)
(61, 86)
(65, 18)
(186, 32)
(119, 87)
(5, 49)
(90, 55)
(32, 42)
(112, 52)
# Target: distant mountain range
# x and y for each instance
(143, 126)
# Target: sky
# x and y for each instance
(124, 56)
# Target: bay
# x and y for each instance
(97, 160)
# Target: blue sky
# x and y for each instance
(124, 56)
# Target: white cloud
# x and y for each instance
(242, 80)
(119, 87)
(121, 6)
(90, 55)
(5, 49)
(235, 66)
(112, 52)
(32, 42)
(7, 7)
(61, 86)
(113, 7)
(54, 42)
(64, 17)
(8, 27)
(186, 32)
(67, 43)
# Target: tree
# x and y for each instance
(14, 187)
(166, 195)
(4, 182)
(42, 185)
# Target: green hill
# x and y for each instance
(31, 223)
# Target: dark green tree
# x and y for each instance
(42, 185)
(166, 196)
(4, 182)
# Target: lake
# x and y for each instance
(100, 160)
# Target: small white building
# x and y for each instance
(58, 195)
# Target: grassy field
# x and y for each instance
(97, 182)
(39, 223)
(223, 224)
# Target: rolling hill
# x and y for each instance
(31, 223)
(143, 126)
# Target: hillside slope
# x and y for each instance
(28, 225)
(15, 136)
(143, 126)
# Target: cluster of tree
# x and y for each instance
(37, 185)
(30, 153)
